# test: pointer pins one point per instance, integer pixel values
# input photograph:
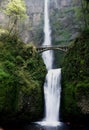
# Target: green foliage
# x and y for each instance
(16, 11)
(3, 32)
(76, 60)
(22, 74)
(69, 101)
(83, 88)
(16, 8)
(76, 77)
(83, 13)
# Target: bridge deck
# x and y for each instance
(52, 47)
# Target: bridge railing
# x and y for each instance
(51, 46)
(42, 48)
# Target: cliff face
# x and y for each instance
(64, 21)
(33, 24)
(62, 17)
(75, 79)
(65, 24)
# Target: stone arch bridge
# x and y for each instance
(63, 48)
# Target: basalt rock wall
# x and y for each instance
(63, 20)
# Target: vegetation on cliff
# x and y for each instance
(16, 11)
(22, 74)
(75, 72)
(22, 71)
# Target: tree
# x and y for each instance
(16, 10)
(85, 12)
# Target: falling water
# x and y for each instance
(52, 86)
(47, 55)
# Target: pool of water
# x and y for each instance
(45, 127)
(34, 126)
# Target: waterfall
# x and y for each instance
(52, 86)
(47, 55)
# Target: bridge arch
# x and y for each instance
(63, 48)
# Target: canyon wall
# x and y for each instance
(63, 20)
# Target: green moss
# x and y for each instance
(75, 77)
(22, 74)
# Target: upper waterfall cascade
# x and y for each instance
(48, 55)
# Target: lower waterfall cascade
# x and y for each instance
(52, 90)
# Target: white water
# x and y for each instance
(52, 89)
(52, 86)
(52, 93)
(47, 55)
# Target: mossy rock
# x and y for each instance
(22, 74)
(75, 78)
